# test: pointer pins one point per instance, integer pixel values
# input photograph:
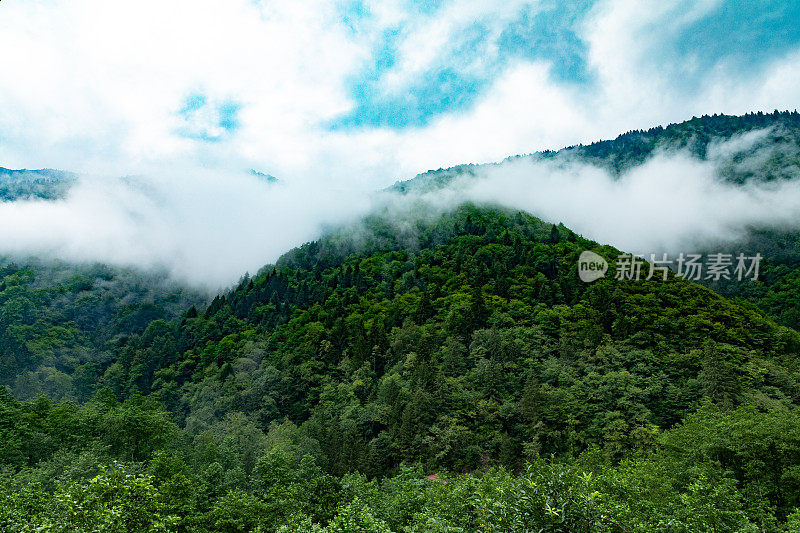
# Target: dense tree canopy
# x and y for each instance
(321, 394)
(419, 372)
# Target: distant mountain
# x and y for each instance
(45, 184)
(779, 144)
(269, 178)
(752, 147)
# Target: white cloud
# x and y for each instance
(208, 228)
(89, 68)
(96, 86)
(429, 42)
(199, 226)
(672, 203)
(544, 116)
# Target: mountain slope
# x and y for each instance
(482, 345)
(44, 184)
(460, 343)
(744, 149)
(323, 393)
(773, 137)
(60, 322)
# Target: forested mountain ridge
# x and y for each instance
(60, 322)
(324, 393)
(44, 184)
(756, 147)
(462, 343)
(774, 136)
(485, 289)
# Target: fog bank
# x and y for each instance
(207, 227)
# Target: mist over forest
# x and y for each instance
(206, 229)
(389, 266)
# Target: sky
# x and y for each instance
(367, 92)
(164, 108)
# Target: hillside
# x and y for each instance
(462, 343)
(60, 323)
(399, 267)
(775, 138)
(756, 147)
(426, 369)
(44, 184)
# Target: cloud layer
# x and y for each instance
(207, 228)
(672, 203)
(200, 227)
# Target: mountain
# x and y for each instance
(44, 184)
(423, 371)
(60, 322)
(755, 147)
(475, 347)
(768, 149)
(485, 309)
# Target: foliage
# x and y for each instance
(443, 373)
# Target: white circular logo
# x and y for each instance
(591, 266)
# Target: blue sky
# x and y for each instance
(545, 32)
(747, 35)
(374, 89)
(206, 120)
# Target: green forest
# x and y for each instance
(436, 372)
